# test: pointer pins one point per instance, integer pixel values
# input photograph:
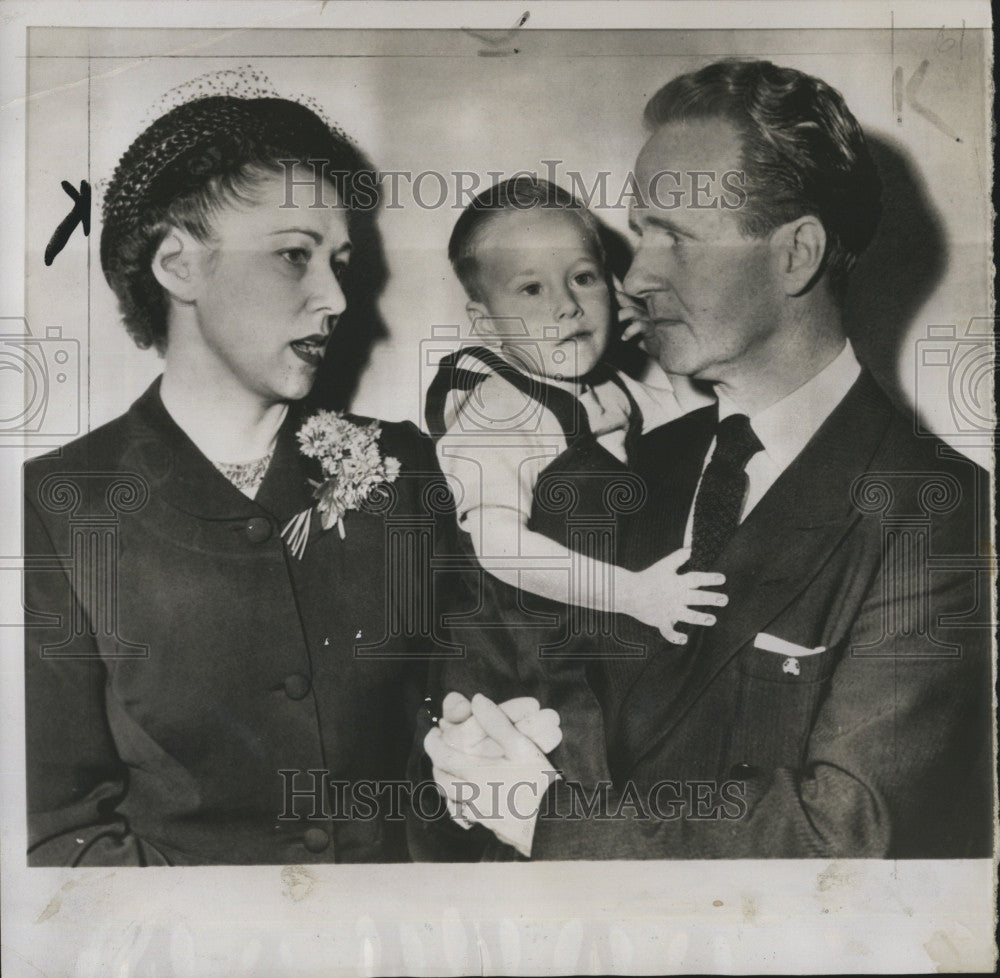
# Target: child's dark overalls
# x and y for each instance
(518, 644)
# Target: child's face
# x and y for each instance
(544, 288)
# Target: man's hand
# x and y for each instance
(504, 792)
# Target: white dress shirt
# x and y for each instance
(786, 427)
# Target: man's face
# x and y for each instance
(711, 292)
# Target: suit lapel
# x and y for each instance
(777, 550)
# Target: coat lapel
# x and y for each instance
(285, 490)
(181, 476)
(777, 550)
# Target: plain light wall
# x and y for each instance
(433, 101)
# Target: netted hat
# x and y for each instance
(211, 138)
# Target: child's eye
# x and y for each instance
(296, 256)
(585, 278)
(532, 288)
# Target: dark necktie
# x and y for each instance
(722, 490)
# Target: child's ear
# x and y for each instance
(479, 320)
(177, 265)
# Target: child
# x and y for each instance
(532, 418)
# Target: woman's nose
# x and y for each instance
(327, 295)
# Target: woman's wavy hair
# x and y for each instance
(803, 152)
(196, 159)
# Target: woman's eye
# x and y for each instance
(339, 269)
(296, 256)
(532, 288)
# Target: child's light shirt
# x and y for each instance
(499, 440)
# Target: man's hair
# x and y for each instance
(518, 193)
(187, 165)
(803, 152)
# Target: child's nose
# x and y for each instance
(567, 306)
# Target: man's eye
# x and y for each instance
(296, 256)
(532, 288)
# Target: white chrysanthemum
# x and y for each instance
(350, 460)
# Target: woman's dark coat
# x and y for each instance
(185, 671)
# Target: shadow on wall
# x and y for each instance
(900, 269)
(361, 326)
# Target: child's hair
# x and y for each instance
(188, 164)
(519, 193)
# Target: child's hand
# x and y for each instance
(632, 310)
(662, 597)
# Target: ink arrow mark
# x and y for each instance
(912, 87)
(80, 214)
(496, 40)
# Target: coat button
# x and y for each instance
(316, 840)
(258, 529)
(742, 771)
(296, 686)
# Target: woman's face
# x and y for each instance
(268, 290)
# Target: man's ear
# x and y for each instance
(800, 246)
(177, 265)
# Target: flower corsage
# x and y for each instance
(352, 466)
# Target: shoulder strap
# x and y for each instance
(567, 410)
(604, 371)
(449, 377)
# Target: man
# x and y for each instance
(840, 707)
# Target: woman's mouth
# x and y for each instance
(310, 349)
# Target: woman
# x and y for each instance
(197, 690)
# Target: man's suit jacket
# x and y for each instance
(179, 658)
(870, 546)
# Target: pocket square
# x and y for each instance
(791, 651)
(781, 646)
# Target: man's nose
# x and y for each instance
(644, 275)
